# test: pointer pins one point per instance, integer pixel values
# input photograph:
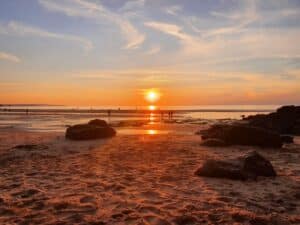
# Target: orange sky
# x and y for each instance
(194, 52)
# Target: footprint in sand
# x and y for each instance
(153, 195)
(155, 220)
(88, 199)
(149, 209)
(185, 220)
(26, 193)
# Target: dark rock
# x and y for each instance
(243, 135)
(249, 166)
(89, 132)
(97, 122)
(287, 139)
(212, 142)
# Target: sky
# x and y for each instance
(109, 52)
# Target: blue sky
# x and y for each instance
(194, 52)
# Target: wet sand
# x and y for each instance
(138, 179)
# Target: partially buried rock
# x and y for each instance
(249, 166)
(243, 135)
(213, 142)
(95, 129)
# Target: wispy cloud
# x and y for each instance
(21, 29)
(234, 34)
(240, 18)
(9, 57)
(168, 28)
(154, 50)
(97, 13)
(191, 43)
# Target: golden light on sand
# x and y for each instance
(152, 107)
(152, 95)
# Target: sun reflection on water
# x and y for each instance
(151, 132)
(152, 107)
(151, 118)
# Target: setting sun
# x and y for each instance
(152, 96)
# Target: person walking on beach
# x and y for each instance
(109, 114)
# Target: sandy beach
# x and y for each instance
(139, 179)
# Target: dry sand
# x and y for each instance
(138, 179)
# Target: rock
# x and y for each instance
(212, 142)
(243, 135)
(287, 139)
(97, 122)
(95, 129)
(286, 120)
(249, 166)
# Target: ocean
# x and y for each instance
(57, 118)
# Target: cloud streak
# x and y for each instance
(9, 57)
(97, 13)
(24, 30)
(173, 10)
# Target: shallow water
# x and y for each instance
(51, 119)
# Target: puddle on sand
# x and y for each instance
(142, 131)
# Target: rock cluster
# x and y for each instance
(95, 129)
(249, 166)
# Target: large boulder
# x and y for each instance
(286, 120)
(250, 166)
(243, 135)
(95, 129)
